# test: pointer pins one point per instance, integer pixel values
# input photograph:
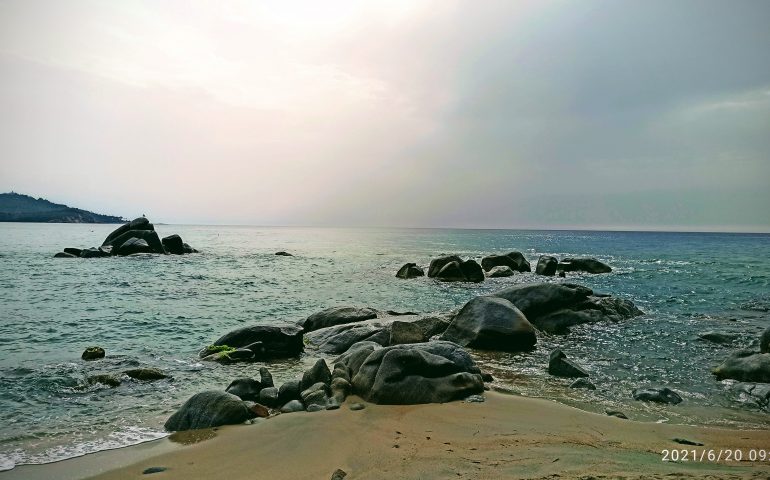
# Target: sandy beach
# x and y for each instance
(505, 437)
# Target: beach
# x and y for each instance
(504, 437)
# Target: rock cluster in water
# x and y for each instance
(452, 268)
(136, 236)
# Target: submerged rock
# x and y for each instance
(560, 366)
(410, 270)
(147, 374)
(546, 265)
(100, 252)
(590, 265)
(745, 367)
(657, 395)
(93, 353)
(277, 340)
(717, 337)
(209, 409)
(284, 254)
(105, 379)
(583, 383)
(338, 316)
(491, 323)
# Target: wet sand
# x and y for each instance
(504, 437)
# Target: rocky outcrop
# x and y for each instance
(514, 260)
(560, 366)
(745, 366)
(338, 316)
(657, 395)
(590, 265)
(554, 308)
(410, 270)
(491, 323)
(433, 372)
(270, 341)
(93, 353)
(546, 265)
(209, 409)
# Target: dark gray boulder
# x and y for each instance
(590, 265)
(107, 379)
(410, 270)
(93, 353)
(338, 316)
(340, 338)
(499, 272)
(472, 271)
(432, 372)
(560, 366)
(73, 251)
(64, 255)
(764, 341)
(521, 262)
(245, 389)
(318, 373)
(278, 340)
(149, 236)
(491, 323)
(269, 397)
(514, 260)
(657, 395)
(265, 377)
(316, 397)
(546, 265)
(451, 272)
(173, 244)
(438, 263)
(189, 249)
(289, 391)
(132, 246)
(96, 252)
(745, 367)
(140, 223)
(209, 409)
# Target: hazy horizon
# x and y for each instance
(594, 115)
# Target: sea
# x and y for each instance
(159, 311)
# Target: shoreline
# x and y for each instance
(506, 436)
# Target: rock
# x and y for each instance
(96, 252)
(93, 353)
(536, 300)
(562, 274)
(188, 249)
(340, 338)
(339, 474)
(754, 367)
(318, 373)
(616, 413)
(764, 341)
(265, 378)
(560, 366)
(472, 271)
(438, 263)
(289, 391)
(269, 396)
(546, 265)
(410, 270)
(451, 272)
(173, 244)
(520, 261)
(405, 332)
(498, 272)
(245, 389)
(514, 260)
(433, 324)
(340, 388)
(433, 372)
(147, 374)
(491, 323)
(317, 394)
(284, 254)
(293, 406)
(209, 409)
(657, 395)
(475, 399)
(64, 255)
(278, 340)
(337, 316)
(583, 383)
(140, 223)
(148, 471)
(717, 337)
(357, 406)
(149, 236)
(73, 251)
(755, 393)
(590, 265)
(104, 379)
(132, 246)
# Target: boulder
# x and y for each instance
(269, 397)
(289, 391)
(405, 332)
(560, 366)
(73, 251)
(546, 265)
(278, 340)
(318, 373)
(132, 246)
(209, 409)
(93, 353)
(173, 244)
(265, 377)
(188, 249)
(498, 272)
(491, 323)
(590, 265)
(718, 337)
(140, 223)
(96, 252)
(536, 300)
(284, 254)
(472, 271)
(147, 374)
(64, 255)
(245, 389)
(149, 236)
(338, 316)
(293, 406)
(432, 372)
(410, 270)
(340, 338)
(755, 393)
(657, 395)
(316, 397)
(438, 263)
(751, 367)
(451, 272)
(764, 341)
(514, 260)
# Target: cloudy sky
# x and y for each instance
(500, 114)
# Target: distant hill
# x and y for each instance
(15, 207)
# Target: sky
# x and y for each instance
(588, 114)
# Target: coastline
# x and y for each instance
(505, 437)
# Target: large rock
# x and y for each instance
(289, 391)
(560, 366)
(245, 388)
(498, 272)
(209, 409)
(132, 246)
(514, 260)
(405, 332)
(472, 271)
(590, 265)
(745, 367)
(461, 271)
(546, 265)
(318, 373)
(64, 255)
(93, 353)
(173, 244)
(491, 323)
(657, 395)
(149, 236)
(316, 396)
(432, 372)
(278, 340)
(764, 341)
(140, 223)
(73, 251)
(338, 316)
(438, 263)
(410, 270)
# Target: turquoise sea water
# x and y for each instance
(160, 310)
